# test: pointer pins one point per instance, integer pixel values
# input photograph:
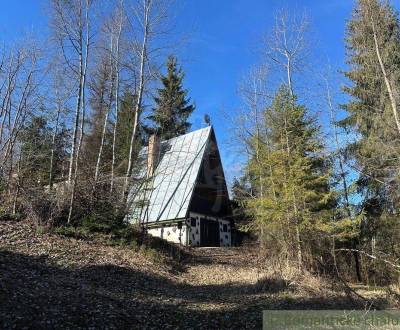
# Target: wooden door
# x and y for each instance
(209, 232)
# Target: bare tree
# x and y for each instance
(117, 65)
(59, 95)
(108, 109)
(150, 16)
(287, 46)
(72, 27)
(145, 22)
(19, 96)
(255, 95)
(113, 30)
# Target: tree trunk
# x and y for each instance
(357, 261)
(117, 70)
(77, 118)
(53, 142)
(81, 97)
(139, 95)
(104, 131)
(386, 78)
(343, 177)
(14, 211)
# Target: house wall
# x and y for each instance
(189, 234)
(171, 233)
(194, 231)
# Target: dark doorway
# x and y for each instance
(209, 232)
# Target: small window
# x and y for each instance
(193, 222)
(225, 228)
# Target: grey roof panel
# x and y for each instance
(167, 195)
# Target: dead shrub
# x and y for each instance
(44, 208)
(271, 285)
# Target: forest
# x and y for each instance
(316, 202)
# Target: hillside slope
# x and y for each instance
(49, 281)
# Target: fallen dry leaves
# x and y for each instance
(49, 281)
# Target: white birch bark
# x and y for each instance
(82, 106)
(139, 94)
(116, 95)
(109, 105)
(53, 139)
(389, 87)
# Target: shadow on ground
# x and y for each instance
(37, 293)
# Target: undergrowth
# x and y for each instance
(115, 231)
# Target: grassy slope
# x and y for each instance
(49, 281)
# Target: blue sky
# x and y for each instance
(225, 43)
(223, 39)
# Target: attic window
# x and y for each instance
(225, 228)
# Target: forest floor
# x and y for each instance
(50, 281)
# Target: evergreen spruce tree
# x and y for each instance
(35, 140)
(241, 191)
(173, 108)
(370, 114)
(291, 176)
(369, 109)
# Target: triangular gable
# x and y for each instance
(167, 194)
(210, 195)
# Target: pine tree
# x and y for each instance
(173, 108)
(291, 177)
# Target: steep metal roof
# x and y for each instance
(167, 194)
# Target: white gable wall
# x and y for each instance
(194, 233)
(189, 234)
(171, 233)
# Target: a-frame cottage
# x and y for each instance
(181, 194)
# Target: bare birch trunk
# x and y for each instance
(19, 117)
(116, 92)
(81, 97)
(139, 94)
(18, 187)
(104, 131)
(77, 117)
(389, 87)
(53, 146)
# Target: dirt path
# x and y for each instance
(48, 282)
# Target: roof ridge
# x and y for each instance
(182, 135)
